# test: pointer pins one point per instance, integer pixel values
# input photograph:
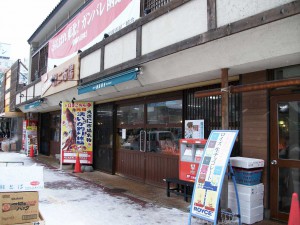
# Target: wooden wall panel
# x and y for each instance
(255, 117)
(130, 164)
(159, 167)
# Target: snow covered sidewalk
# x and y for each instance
(67, 199)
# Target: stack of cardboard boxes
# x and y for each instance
(19, 197)
(249, 189)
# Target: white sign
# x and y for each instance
(4, 50)
(210, 175)
(21, 178)
(194, 129)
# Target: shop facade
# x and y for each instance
(167, 66)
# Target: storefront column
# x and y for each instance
(225, 92)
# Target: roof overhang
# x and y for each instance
(11, 114)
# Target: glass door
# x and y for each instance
(285, 153)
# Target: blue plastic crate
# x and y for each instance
(247, 177)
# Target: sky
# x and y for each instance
(66, 199)
(18, 21)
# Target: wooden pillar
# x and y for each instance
(225, 126)
(224, 88)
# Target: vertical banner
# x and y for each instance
(77, 132)
(31, 139)
(28, 125)
(210, 175)
(194, 129)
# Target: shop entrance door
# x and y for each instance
(285, 153)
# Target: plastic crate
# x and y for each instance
(247, 177)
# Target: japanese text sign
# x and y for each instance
(77, 131)
(210, 175)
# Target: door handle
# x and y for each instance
(274, 162)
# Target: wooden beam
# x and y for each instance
(249, 87)
(211, 14)
(264, 85)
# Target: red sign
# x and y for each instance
(85, 27)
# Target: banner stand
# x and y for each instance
(210, 178)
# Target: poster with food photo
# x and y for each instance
(194, 129)
(77, 132)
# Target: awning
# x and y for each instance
(33, 105)
(11, 114)
(109, 81)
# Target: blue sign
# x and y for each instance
(33, 105)
(109, 81)
(210, 175)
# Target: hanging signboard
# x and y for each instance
(89, 26)
(210, 175)
(28, 125)
(77, 132)
(194, 129)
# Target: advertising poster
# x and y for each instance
(194, 129)
(31, 140)
(210, 175)
(28, 125)
(77, 132)
(89, 26)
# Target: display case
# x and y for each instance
(191, 151)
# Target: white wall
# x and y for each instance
(90, 64)
(229, 11)
(120, 50)
(38, 89)
(186, 21)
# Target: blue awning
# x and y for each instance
(109, 81)
(33, 105)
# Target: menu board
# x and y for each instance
(210, 175)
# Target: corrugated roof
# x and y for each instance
(48, 18)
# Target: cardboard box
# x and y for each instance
(41, 221)
(246, 197)
(19, 207)
(253, 219)
(21, 178)
(244, 204)
(247, 163)
(246, 189)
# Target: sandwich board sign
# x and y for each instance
(210, 175)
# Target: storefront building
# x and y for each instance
(170, 62)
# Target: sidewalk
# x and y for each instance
(136, 191)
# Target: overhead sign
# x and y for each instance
(109, 81)
(33, 105)
(61, 78)
(88, 27)
(210, 175)
(77, 132)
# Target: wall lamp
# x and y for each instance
(147, 11)
(22, 96)
(105, 36)
(73, 100)
(60, 103)
(53, 79)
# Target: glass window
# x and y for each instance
(287, 72)
(129, 139)
(130, 115)
(55, 127)
(164, 140)
(164, 112)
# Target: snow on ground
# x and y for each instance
(68, 200)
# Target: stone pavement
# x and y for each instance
(136, 191)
